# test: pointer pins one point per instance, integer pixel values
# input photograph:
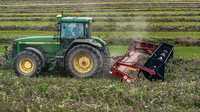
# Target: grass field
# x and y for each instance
(179, 92)
(117, 22)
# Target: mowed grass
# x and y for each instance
(187, 52)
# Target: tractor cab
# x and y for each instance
(74, 27)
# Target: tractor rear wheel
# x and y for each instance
(27, 63)
(84, 61)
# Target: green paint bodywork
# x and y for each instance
(53, 46)
(48, 44)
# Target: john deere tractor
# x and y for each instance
(73, 48)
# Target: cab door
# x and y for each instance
(71, 31)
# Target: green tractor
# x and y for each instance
(73, 48)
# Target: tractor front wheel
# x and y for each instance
(27, 64)
(83, 61)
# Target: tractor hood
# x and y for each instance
(53, 40)
(37, 39)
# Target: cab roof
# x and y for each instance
(76, 19)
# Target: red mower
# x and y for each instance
(129, 66)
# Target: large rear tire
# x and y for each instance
(27, 63)
(84, 61)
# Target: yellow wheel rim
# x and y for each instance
(26, 65)
(82, 63)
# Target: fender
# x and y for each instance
(91, 42)
(38, 52)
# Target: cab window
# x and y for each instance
(72, 30)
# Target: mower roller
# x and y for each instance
(153, 68)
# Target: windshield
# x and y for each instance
(72, 30)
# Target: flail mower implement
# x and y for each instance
(153, 68)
